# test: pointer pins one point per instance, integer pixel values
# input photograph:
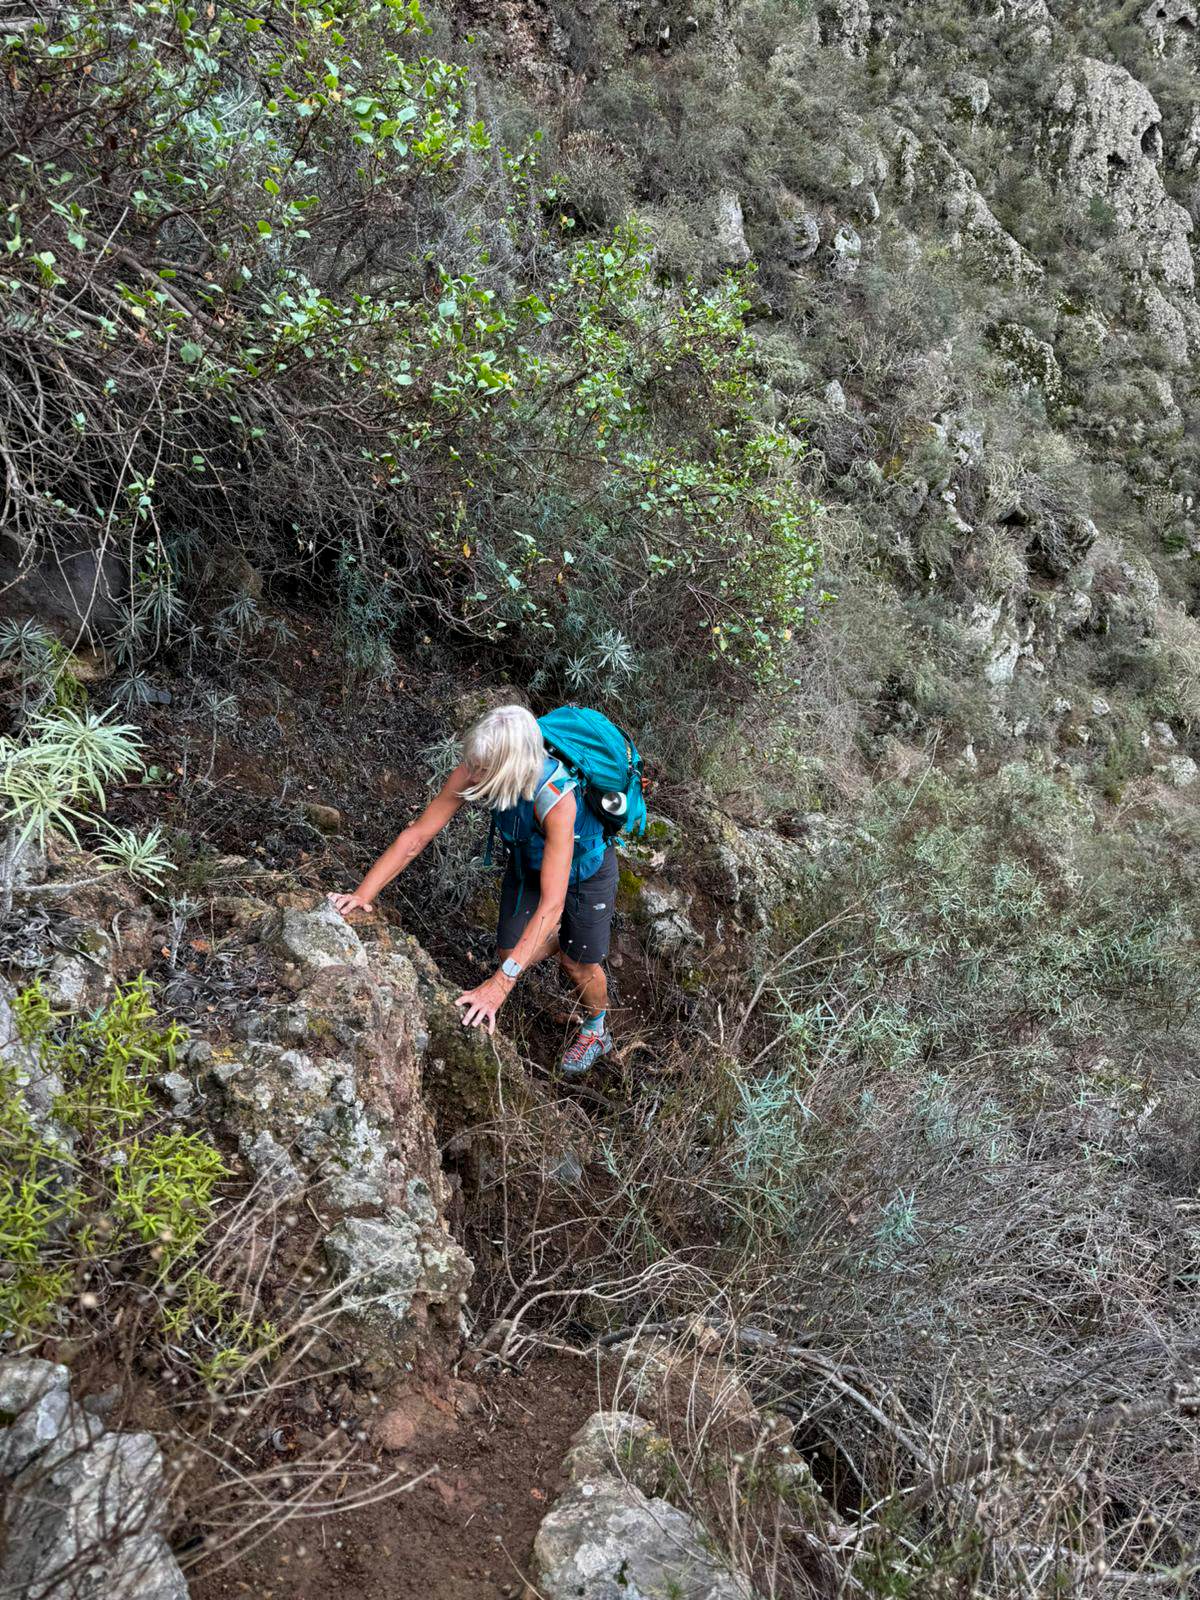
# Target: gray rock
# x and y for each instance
(729, 231)
(66, 984)
(276, 1172)
(39, 1426)
(24, 1380)
(803, 237)
(316, 939)
(1172, 25)
(845, 251)
(181, 1092)
(664, 912)
(1104, 135)
(606, 1540)
(1178, 771)
(846, 25)
(970, 95)
(34, 1394)
(39, 1088)
(834, 396)
(386, 1266)
(87, 1526)
(619, 1444)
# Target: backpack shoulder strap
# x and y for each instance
(550, 791)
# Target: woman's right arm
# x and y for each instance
(407, 846)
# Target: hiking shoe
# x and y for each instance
(585, 1052)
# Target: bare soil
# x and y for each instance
(493, 1447)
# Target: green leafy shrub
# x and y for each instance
(520, 434)
(98, 1202)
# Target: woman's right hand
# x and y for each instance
(346, 903)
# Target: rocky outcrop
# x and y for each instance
(324, 1092)
(729, 231)
(846, 25)
(1172, 25)
(1103, 135)
(84, 1507)
(926, 166)
(606, 1540)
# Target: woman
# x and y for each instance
(560, 884)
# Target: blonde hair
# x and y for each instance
(504, 754)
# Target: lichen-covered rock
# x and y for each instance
(991, 629)
(970, 95)
(395, 1271)
(606, 1540)
(619, 1444)
(663, 913)
(753, 869)
(846, 25)
(926, 166)
(1172, 25)
(87, 1525)
(1179, 771)
(1104, 135)
(845, 251)
(729, 231)
(34, 1403)
(1030, 361)
(274, 1169)
(802, 230)
(316, 938)
(38, 1086)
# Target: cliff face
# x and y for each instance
(974, 298)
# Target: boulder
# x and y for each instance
(88, 1524)
(606, 1540)
(394, 1271)
(34, 1395)
(802, 230)
(1179, 771)
(326, 819)
(316, 938)
(663, 912)
(619, 1444)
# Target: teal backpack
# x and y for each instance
(605, 763)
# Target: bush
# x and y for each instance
(244, 342)
(103, 1207)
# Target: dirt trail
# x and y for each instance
(467, 1531)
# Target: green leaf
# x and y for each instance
(264, 227)
(190, 353)
(270, 186)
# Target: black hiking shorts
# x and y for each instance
(586, 926)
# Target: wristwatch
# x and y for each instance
(510, 968)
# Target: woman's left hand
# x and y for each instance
(482, 1003)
